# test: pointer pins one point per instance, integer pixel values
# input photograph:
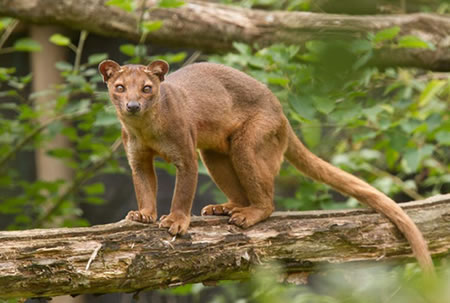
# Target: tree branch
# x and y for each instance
(214, 27)
(128, 256)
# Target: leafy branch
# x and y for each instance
(78, 182)
(22, 143)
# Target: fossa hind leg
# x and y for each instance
(223, 174)
(257, 153)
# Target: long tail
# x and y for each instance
(322, 171)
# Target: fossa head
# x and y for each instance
(133, 88)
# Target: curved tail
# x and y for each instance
(322, 171)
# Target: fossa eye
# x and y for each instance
(147, 89)
(120, 88)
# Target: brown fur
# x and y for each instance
(242, 134)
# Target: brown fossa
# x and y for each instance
(239, 127)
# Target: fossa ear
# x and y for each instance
(158, 68)
(107, 68)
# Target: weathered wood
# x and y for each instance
(128, 256)
(214, 27)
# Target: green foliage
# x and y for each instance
(339, 284)
(130, 5)
(170, 3)
(71, 109)
(127, 5)
(386, 34)
(60, 40)
(27, 45)
(74, 110)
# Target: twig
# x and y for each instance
(8, 31)
(397, 181)
(94, 254)
(192, 58)
(7, 50)
(79, 51)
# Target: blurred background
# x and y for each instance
(382, 119)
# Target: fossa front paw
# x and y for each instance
(141, 216)
(176, 223)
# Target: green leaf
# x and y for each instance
(97, 58)
(94, 200)
(105, 118)
(364, 135)
(414, 157)
(311, 132)
(386, 34)
(59, 39)
(372, 112)
(140, 50)
(174, 58)
(258, 62)
(410, 41)
(182, 290)
(282, 81)
(316, 46)
(242, 48)
(63, 66)
(443, 137)
(61, 153)
(361, 61)
(128, 49)
(170, 3)
(409, 125)
(411, 160)
(302, 105)
(360, 46)
(151, 26)
(347, 112)
(324, 105)
(27, 45)
(431, 90)
(94, 189)
(126, 5)
(70, 132)
(8, 105)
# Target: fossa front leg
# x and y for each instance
(145, 185)
(186, 183)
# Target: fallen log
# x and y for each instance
(129, 256)
(214, 27)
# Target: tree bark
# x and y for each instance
(128, 256)
(214, 27)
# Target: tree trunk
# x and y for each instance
(214, 27)
(128, 256)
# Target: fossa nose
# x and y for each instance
(133, 107)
